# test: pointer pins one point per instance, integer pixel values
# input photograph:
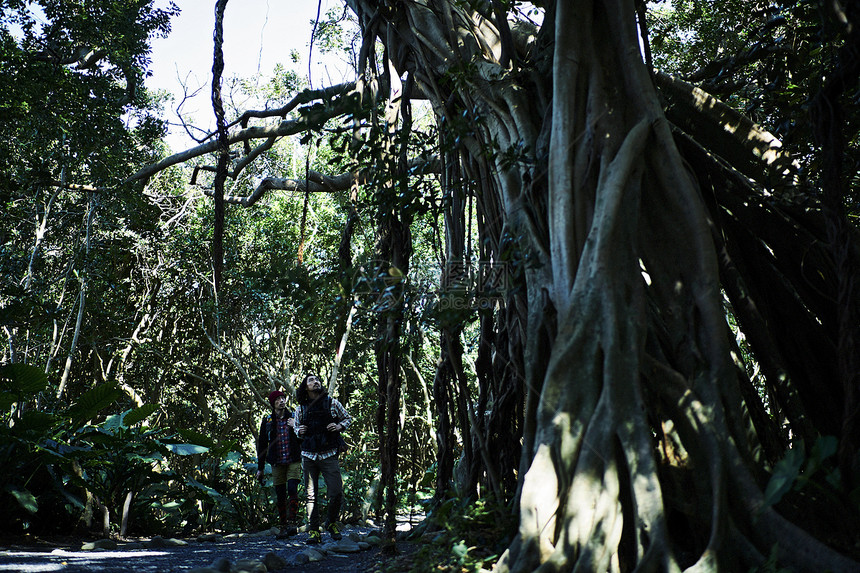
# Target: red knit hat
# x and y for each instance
(274, 396)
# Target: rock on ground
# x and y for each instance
(209, 553)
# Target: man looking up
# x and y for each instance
(320, 420)
(278, 445)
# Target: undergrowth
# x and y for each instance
(459, 536)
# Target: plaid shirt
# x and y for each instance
(338, 412)
(281, 449)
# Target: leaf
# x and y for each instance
(148, 459)
(93, 401)
(784, 475)
(825, 446)
(187, 449)
(35, 421)
(112, 423)
(196, 437)
(64, 451)
(97, 435)
(204, 488)
(19, 380)
(212, 493)
(251, 468)
(62, 486)
(26, 499)
(225, 448)
(460, 550)
(25, 378)
(231, 459)
(132, 417)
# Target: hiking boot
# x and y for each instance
(314, 537)
(287, 531)
(334, 531)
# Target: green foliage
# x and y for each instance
(282, 86)
(337, 33)
(766, 59)
(796, 471)
(360, 471)
(54, 461)
(72, 124)
(19, 380)
(58, 116)
(24, 498)
(40, 449)
(92, 402)
(136, 415)
(785, 473)
(463, 536)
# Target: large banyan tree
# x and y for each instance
(639, 220)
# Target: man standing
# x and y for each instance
(278, 445)
(320, 420)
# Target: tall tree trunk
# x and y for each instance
(394, 251)
(126, 512)
(40, 234)
(82, 298)
(428, 405)
(442, 385)
(347, 306)
(828, 117)
(395, 246)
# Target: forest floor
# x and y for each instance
(358, 552)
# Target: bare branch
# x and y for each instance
(306, 96)
(84, 57)
(286, 127)
(186, 96)
(76, 187)
(310, 119)
(317, 183)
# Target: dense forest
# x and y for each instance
(585, 273)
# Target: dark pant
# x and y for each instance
(330, 470)
(288, 508)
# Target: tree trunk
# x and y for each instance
(82, 300)
(126, 511)
(347, 306)
(395, 246)
(394, 251)
(427, 406)
(620, 285)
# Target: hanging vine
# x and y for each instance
(223, 145)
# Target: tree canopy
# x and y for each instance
(592, 264)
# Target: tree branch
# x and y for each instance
(286, 127)
(726, 132)
(319, 183)
(311, 117)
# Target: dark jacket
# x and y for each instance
(316, 416)
(267, 439)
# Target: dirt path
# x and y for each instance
(358, 553)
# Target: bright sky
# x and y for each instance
(257, 35)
